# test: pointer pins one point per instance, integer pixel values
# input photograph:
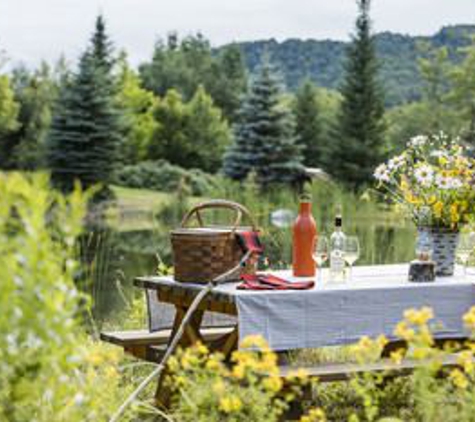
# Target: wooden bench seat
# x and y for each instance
(150, 345)
(331, 372)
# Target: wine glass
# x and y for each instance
(320, 253)
(351, 252)
(465, 249)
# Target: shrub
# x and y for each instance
(207, 390)
(162, 176)
(49, 369)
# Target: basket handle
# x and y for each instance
(239, 210)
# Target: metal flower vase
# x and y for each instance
(444, 244)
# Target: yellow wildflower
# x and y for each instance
(465, 359)
(459, 379)
(238, 371)
(397, 356)
(469, 319)
(255, 341)
(420, 353)
(403, 331)
(438, 209)
(454, 214)
(315, 415)
(230, 404)
(419, 317)
(272, 384)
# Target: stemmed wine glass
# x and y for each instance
(465, 249)
(351, 252)
(320, 253)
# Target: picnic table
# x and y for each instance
(370, 304)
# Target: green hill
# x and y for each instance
(322, 61)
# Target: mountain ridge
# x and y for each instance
(322, 61)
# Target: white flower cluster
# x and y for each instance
(396, 162)
(418, 141)
(382, 173)
(447, 183)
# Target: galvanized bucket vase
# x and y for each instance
(444, 245)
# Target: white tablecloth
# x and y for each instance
(371, 304)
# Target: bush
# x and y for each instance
(49, 369)
(162, 176)
(206, 389)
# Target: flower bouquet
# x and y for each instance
(434, 181)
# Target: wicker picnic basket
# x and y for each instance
(202, 253)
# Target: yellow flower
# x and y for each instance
(255, 341)
(230, 404)
(272, 384)
(438, 209)
(459, 379)
(397, 356)
(404, 332)
(420, 353)
(454, 214)
(469, 319)
(419, 317)
(315, 415)
(239, 371)
(465, 359)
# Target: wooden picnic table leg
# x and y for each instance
(190, 336)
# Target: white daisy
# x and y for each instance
(443, 182)
(382, 173)
(424, 175)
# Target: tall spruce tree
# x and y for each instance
(85, 133)
(358, 145)
(264, 140)
(308, 125)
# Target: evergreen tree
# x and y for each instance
(264, 136)
(308, 126)
(358, 146)
(101, 47)
(229, 81)
(9, 108)
(85, 132)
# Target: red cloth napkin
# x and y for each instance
(271, 282)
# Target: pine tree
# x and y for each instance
(359, 139)
(264, 136)
(85, 132)
(308, 125)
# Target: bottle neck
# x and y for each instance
(305, 208)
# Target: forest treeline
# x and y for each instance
(191, 111)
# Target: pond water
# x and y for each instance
(115, 257)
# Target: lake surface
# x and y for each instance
(114, 257)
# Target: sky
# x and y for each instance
(31, 30)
